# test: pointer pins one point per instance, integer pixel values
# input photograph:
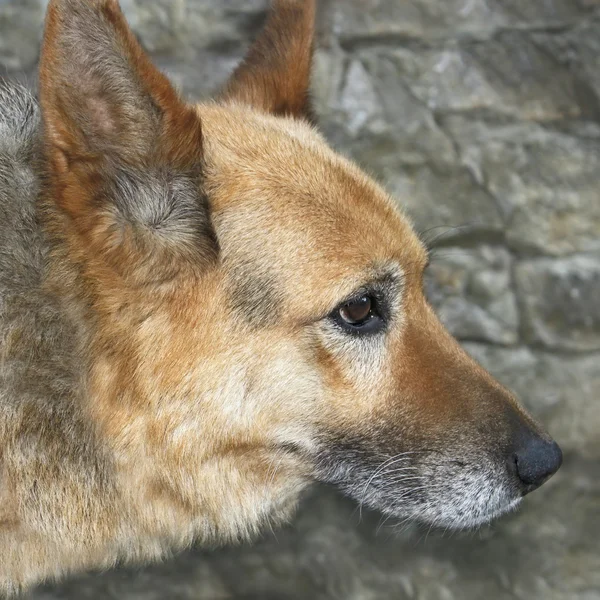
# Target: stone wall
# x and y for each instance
(483, 118)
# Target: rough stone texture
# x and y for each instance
(483, 118)
(561, 302)
(472, 291)
(544, 177)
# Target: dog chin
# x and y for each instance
(461, 516)
(477, 519)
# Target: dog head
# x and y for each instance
(253, 301)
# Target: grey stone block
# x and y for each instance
(20, 34)
(432, 20)
(507, 74)
(472, 292)
(545, 180)
(561, 302)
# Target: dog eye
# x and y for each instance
(359, 315)
(356, 312)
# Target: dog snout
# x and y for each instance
(534, 458)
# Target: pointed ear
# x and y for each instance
(275, 75)
(123, 151)
(99, 91)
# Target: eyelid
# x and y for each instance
(385, 287)
(357, 295)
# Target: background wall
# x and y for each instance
(483, 118)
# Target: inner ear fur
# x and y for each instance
(275, 75)
(112, 119)
(99, 90)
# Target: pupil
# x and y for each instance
(356, 311)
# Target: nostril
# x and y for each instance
(537, 461)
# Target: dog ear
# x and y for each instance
(124, 152)
(275, 75)
(99, 91)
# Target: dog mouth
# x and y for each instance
(447, 506)
(465, 504)
(424, 487)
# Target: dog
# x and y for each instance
(203, 309)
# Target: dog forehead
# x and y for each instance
(274, 183)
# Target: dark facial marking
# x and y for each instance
(255, 295)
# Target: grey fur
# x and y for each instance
(255, 294)
(94, 74)
(166, 206)
(41, 420)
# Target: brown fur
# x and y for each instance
(197, 253)
(275, 75)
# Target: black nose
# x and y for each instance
(536, 459)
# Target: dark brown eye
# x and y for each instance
(361, 315)
(357, 311)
